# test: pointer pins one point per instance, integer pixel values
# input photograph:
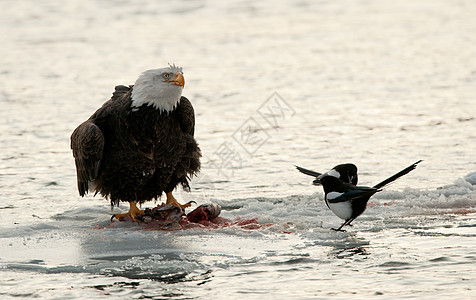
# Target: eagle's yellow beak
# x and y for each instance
(179, 79)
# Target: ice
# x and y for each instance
(471, 178)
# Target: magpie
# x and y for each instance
(347, 200)
(345, 172)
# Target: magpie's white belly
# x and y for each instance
(341, 209)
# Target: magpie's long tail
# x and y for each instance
(308, 172)
(396, 176)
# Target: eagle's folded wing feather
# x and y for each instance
(87, 143)
(186, 116)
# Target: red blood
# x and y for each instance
(201, 213)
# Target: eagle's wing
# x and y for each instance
(87, 143)
(87, 140)
(186, 116)
(120, 91)
(190, 161)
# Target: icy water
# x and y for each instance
(381, 84)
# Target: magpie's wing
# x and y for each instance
(354, 193)
(398, 175)
(308, 172)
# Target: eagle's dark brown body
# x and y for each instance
(135, 154)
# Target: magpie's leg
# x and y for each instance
(347, 222)
(340, 228)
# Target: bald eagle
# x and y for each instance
(140, 143)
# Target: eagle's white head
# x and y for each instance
(160, 88)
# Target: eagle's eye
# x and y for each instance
(166, 75)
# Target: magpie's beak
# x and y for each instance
(318, 178)
(317, 181)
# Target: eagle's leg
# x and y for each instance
(132, 213)
(172, 201)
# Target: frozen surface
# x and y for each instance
(319, 83)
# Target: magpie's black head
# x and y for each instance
(348, 173)
(331, 184)
(345, 172)
(346, 168)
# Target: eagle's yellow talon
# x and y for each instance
(132, 213)
(172, 201)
